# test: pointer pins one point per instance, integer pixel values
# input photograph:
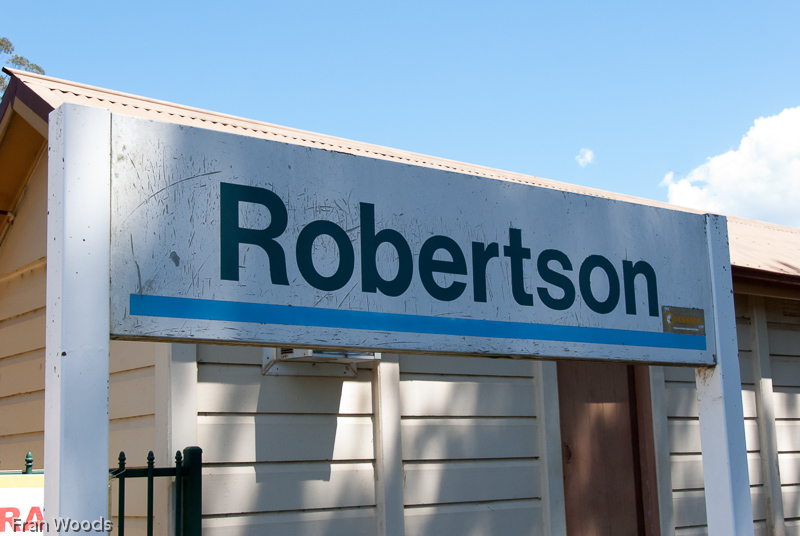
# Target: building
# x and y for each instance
(484, 445)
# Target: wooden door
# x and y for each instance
(606, 434)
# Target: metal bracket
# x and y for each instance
(303, 362)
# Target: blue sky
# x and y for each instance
(650, 88)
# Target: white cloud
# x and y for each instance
(759, 180)
(585, 157)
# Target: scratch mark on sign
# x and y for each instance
(151, 196)
(138, 271)
(346, 295)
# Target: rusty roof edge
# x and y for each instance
(352, 145)
(31, 80)
(356, 145)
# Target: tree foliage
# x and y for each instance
(16, 61)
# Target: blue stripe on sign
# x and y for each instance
(285, 315)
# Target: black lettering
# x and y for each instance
(517, 253)
(554, 278)
(371, 280)
(481, 254)
(629, 273)
(428, 265)
(592, 262)
(305, 261)
(231, 235)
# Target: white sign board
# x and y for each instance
(220, 237)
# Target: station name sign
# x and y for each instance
(226, 238)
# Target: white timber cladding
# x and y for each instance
(298, 454)
(284, 455)
(22, 325)
(783, 341)
(23, 266)
(471, 446)
(783, 321)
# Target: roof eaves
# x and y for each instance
(29, 97)
(745, 235)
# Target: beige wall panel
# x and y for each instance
(743, 336)
(679, 374)
(682, 401)
(344, 522)
(273, 438)
(14, 448)
(135, 497)
(134, 526)
(296, 486)
(22, 373)
(792, 528)
(684, 436)
(136, 437)
(22, 293)
(243, 389)
(26, 240)
(746, 367)
(455, 396)
(785, 341)
(132, 393)
(787, 403)
(468, 481)
(242, 355)
(129, 355)
(459, 439)
(742, 306)
(468, 366)
(759, 529)
(22, 414)
(790, 468)
(687, 470)
(513, 518)
(791, 501)
(782, 311)
(689, 507)
(788, 435)
(22, 334)
(686, 374)
(785, 371)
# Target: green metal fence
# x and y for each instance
(28, 470)
(188, 489)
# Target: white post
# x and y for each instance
(658, 403)
(388, 446)
(175, 418)
(77, 339)
(719, 393)
(550, 462)
(765, 405)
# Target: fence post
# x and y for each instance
(193, 491)
(121, 495)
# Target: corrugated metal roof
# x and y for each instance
(754, 244)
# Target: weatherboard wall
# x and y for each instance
(22, 327)
(684, 435)
(23, 268)
(470, 438)
(283, 454)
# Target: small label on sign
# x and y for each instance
(683, 320)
